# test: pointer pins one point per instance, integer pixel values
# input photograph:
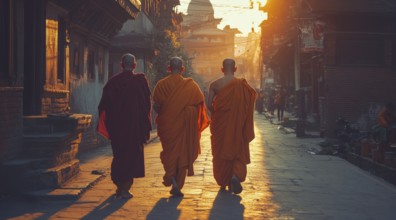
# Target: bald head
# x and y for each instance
(229, 65)
(128, 62)
(176, 65)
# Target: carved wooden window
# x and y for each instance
(51, 52)
(100, 69)
(62, 42)
(76, 60)
(91, 64)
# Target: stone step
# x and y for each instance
(57, 147)
(47, 124)
(23, 164)
(71, 190)
(27, 174)
(38, 129)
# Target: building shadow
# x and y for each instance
(19, 207)
(165, 208)
(106, 208)
(225, 205)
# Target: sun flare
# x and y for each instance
(241, 14)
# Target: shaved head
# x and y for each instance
(128, 61)
(176, 64)
(229, 64)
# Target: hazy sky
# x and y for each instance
(236, 13)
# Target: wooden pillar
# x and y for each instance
(11, 45)
(315, 85)
(34, 78)
(297, 63)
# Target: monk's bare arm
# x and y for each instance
(211, 95)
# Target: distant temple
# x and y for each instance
(206, 44)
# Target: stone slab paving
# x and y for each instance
(284, 181)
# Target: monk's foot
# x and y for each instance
(235, 185)
(117, 195)
(118, 192)
(176, 192)
(126, 195)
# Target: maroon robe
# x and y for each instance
(125, 118)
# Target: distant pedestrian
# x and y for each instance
(125, 118)
(260, 102)
(280, 102)
(271, 102)
(231, 102)
(181, 118)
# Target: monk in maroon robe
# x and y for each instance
(125, 118)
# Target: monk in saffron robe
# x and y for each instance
(181, 118)
(125, 118)
(231, 102)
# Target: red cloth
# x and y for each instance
(125, 118)
(102, 125)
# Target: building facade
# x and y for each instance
(206, 45)
(54, 57)
(342, 56)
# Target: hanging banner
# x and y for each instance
(311, 35)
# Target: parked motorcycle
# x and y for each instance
(349, 136)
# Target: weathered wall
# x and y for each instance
(86, 90)
(11, 99)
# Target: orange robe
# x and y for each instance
(181, 119)
(232, 129)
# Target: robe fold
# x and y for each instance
(232, 129)
(181, 119)
(125, 119)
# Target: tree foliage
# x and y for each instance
(168, 46)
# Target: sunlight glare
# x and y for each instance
(243, 15)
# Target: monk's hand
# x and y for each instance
(147, 137)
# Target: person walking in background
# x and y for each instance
(271, 102)
(231, 102)
(181, 118)
(260, 102)
(125, 119)
(280, 102)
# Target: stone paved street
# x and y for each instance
(284, 181)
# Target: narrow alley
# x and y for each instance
(284, 181)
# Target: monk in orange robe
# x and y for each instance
(231, 102)
(125, 119)
(181, 118)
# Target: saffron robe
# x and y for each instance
(232, 129)
(181, 119)
(125, 118)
